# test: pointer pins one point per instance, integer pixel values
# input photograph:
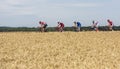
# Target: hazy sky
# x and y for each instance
(28, 13)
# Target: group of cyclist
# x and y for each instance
(76, 26)
(95, 25)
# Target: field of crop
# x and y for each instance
(54, 50)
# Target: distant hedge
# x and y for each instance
(52, 29)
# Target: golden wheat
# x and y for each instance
(54, 50)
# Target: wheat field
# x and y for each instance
(55, 50)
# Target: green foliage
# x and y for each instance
(53, 29)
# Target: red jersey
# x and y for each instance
(42, 23)
(62, 25)
(110, 23)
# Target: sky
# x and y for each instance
(28, 13)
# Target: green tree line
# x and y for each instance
(53, 29)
